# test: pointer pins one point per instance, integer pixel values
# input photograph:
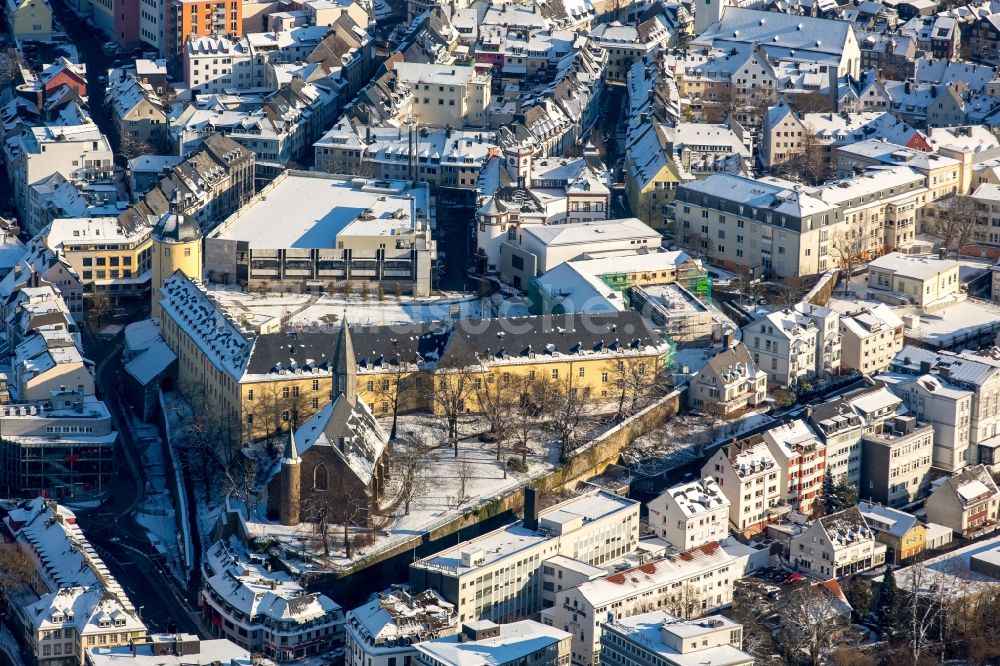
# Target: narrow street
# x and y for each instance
(90, 44)
(110, 528)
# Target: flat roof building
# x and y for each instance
(661, 639)
(499, 574)
(333, 229)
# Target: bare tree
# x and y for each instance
(528, 396)
(955, 222)
(131, 146)
(849, 248)
(811, 162)
(496, 400)
(321, 511)
(18, 569)
(464, 472)
(410, 461)
(99, 305)
(388, 388)
(636, 380)
(750, 608)
(450, 395)
(567, 409)
(8, 68)
(809, 622)
(351, 507)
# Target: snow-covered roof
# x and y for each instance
(514, 538)
(552, 235)
(886, 519)
(249, 587)
(515, 641)
(795, 201)
(972, 485)
(350, 431)
(654, 575)
(317, 209)
(159, 650)
(151, 363)
(396, 615)
(82, 593)
(698, 496)
(194, 313)
(662, 634)
(911, 266)
(793, 438)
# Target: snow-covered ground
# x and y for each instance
(318, 310)
(157, 514)
(955, 321)
(683, 440)
(441, 499)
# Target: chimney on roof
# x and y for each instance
(530, 509)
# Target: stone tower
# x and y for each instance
(176, 247)
(345, 365)
(291, 483)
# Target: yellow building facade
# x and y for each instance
(264, 384)
(108, 257)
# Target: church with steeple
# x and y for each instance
(337, 459)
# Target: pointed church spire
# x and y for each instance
(345, 364)
(291, 456)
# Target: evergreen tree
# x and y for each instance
(847, 494)
(831, 502)
(888, 603)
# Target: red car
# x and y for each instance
(794, 578)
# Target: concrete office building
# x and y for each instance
(499, 574)
(334, 230)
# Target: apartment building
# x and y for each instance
(729, 383)
(628, 44)
(881, 209)
(201, 18)
(498, 575)
(903, 535)
(942, 174)
(748, 475)
(207, 186)
(689, 585)
(871, 338)
(659, 638)
(948, 409)
(175, 648)
(451, 158)
(389, 627)
(40, 437)
(266, 611)
(216, 64)
(446, 95)
(787, 135)
(897, 455)
(979, 373)
(29, 20)
(756, 226)
(795, 344)
(80, 153)
(840, 427)
(484, 643)
(802, 457)
(74, 603)
(690, 514)
(343, 231)
(837, 545)
(967, 502)
(109, 256)
(48, 362)
(537, 248)
(922, 281)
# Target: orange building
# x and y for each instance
(203, 18)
